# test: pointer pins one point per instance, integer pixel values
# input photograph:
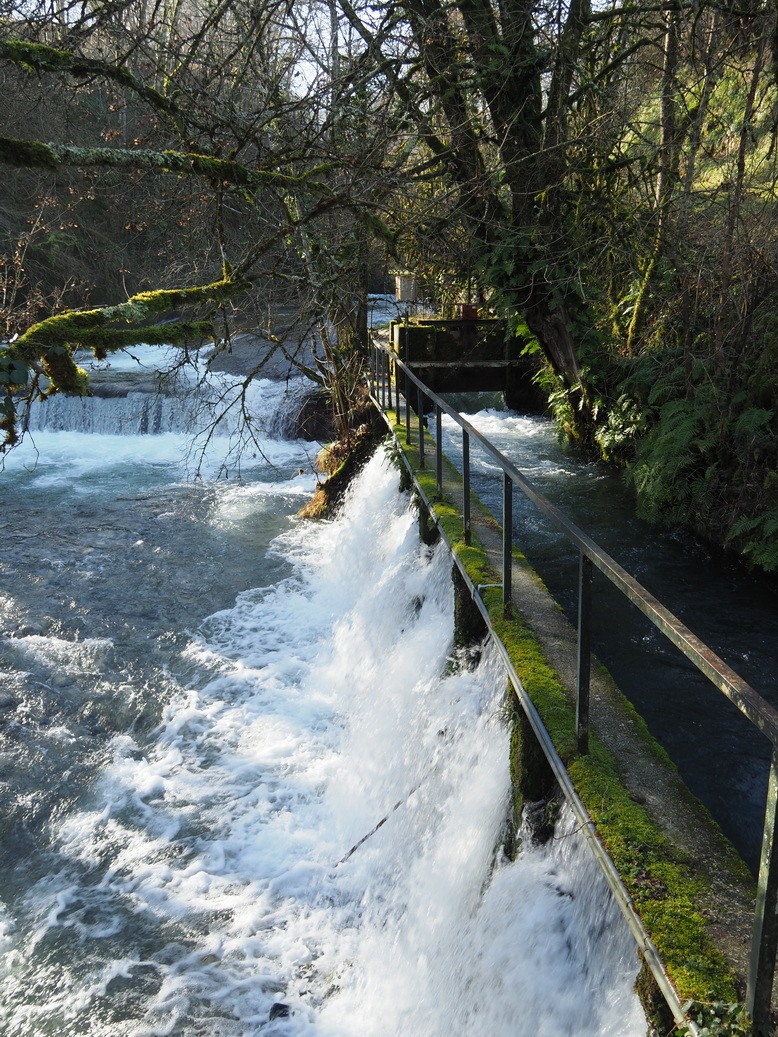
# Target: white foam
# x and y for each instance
(212, 848)
(56, 653)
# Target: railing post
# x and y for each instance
(507, 539)
(466, 480)
(384, 377)
(407, 411)
(439, 448)
(421, 428)
(584, 653)
(764, 941)
(371, 363)
(396, 389)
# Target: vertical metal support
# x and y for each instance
(384, 377)
(397, 391)
(507, 539)
(407, 411)
(584, 652)
(421, 428)
(466, 478)
(370, 377)
(439, 448)
(764, 941)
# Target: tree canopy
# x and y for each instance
(601, 174)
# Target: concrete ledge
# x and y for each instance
(691, 891)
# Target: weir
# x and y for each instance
(404, 400)
(180, 782)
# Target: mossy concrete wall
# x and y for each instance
(690, 890)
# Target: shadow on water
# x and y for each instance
(721, 756)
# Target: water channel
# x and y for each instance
(722, 757)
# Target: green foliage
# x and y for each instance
(624, 421)
(707, 447)
(757, 536)
(717, 1019)
(14, 372)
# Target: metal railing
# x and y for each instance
(387, 371)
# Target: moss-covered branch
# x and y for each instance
(37, 57)
(47, 348)
(35, 154)
(89, 327)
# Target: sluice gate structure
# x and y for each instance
(467, 355)
(742, 921)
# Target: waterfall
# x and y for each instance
(209, 705)
(134, 395)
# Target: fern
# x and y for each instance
(751, 421)
(756, 536)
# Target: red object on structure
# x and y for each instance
(469, 312)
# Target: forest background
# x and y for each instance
(602, 175)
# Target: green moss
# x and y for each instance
(666, 888)
(107, 341)
(47, 347)
(102, 327)
(342, 461)
(33, 154)
(531, 776)
(28, 154)
(63, 372)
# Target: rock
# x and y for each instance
(313, 418)
(279, 1011)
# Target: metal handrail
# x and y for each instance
(762, 714)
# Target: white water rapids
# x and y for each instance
(206, 705)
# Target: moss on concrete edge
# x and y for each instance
(666, 886)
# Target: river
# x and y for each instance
(206, 704)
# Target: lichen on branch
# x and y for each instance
(84, 327)
(36, 154)
(46, 349)
(40, 58)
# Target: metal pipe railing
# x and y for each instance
(764, 947)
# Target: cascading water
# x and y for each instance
(206, 706)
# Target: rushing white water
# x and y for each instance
(184, 862)
(161, 392)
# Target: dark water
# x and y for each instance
(721, 756)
